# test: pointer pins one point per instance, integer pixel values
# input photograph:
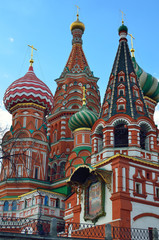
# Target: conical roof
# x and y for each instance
(129, 100)
(77, 62)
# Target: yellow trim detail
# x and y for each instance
(124, 156)
(145, 97)
(89, 129)
(36, 190)
(26, 104)
(15, 198)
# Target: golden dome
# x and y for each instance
(77, 25)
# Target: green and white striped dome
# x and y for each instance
(84, 118)
(148, 83)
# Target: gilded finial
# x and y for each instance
(132, 49)
(84, 95)
(123, 14)
(77, 12)
(31, 59)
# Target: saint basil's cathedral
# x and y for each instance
(69, 157)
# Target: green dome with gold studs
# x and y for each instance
(148, 83)
(85, 118)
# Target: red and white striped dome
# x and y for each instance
(28, 89)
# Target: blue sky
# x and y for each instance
(46, 25)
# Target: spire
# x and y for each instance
(31, 59)
(123, 94)
(77, 62)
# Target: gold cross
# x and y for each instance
(77, 9)
(123, 14)
(77, 12)
(131, 39)
(31, 60)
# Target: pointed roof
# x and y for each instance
(77, 62)
(131, 98)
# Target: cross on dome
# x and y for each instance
(31, 60)
(132, 49)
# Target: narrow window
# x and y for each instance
(25, 203)
(135, 93)
(36, 123)
(121, 79)
(46, 201)
(143, 139)
(24, 122)
(33, 200)
(6, 206)
(121, 92)
(82, 138)
(121, 136)
(57, 203)
(19, 171)
(121, 107)
(36, 172)
(132, 79)
(138, 188)
(157, 192)
(14, 206)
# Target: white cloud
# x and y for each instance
(11, 39)
(5, 118)
(156, 117)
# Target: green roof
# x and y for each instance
(123, 28)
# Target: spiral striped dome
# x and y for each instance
(148, 83)
(83, 118)
(28, 89)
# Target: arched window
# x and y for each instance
(46, 200)
(6, 206)
(57, 202)
(121, 92)
(121, 136)
(14, 206)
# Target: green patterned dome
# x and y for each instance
(123, 28)
(148, 83)
(84, 118)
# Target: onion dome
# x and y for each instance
(28, 89)
(123, 31)
(123, 28)
(84, 118)
(77, 25)
(148, 83)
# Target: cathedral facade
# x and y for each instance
(69, 157)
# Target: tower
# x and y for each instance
(124, 173)
(25, 146)
(68, 100)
